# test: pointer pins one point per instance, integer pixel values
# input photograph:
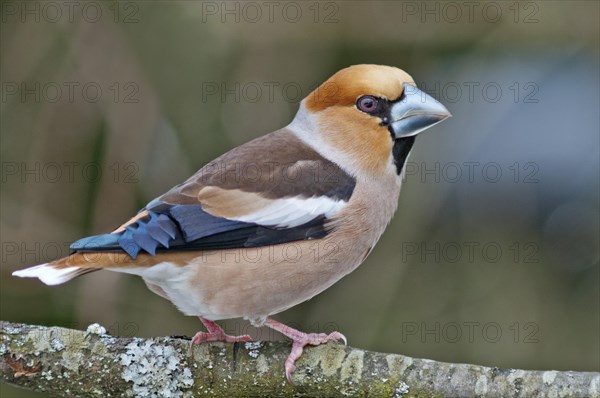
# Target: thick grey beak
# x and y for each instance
(415, 113)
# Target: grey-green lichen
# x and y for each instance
(156, 370)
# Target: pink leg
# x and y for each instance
(215, 333)
(300, 340)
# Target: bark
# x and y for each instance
(66, 362)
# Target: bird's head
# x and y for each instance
(367, 116)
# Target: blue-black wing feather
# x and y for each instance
(189, 227)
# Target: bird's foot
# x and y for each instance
(308, 339)
(215, 333)
(202, 337)
(300, 340)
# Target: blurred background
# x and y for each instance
(493, 255)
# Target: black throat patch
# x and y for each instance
(402, 147)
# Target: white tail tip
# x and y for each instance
(49, 274)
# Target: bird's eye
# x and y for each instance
(367, 103)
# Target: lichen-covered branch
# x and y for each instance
(68, 362)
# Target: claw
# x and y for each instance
(215, 333)
(300, 340)
(340, 337)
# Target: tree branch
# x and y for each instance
(70, 362)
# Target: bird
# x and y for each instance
(276, 221)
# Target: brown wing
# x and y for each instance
(271, 190)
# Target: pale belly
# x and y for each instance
(253, 283)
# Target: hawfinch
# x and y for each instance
(277, 220)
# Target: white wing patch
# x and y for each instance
(292, 212)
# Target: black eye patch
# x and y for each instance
(374, 106)
(377, 106)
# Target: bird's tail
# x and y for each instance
(58, 271)
(79, 263)
(51, 275)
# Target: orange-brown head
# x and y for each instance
(370, 114)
